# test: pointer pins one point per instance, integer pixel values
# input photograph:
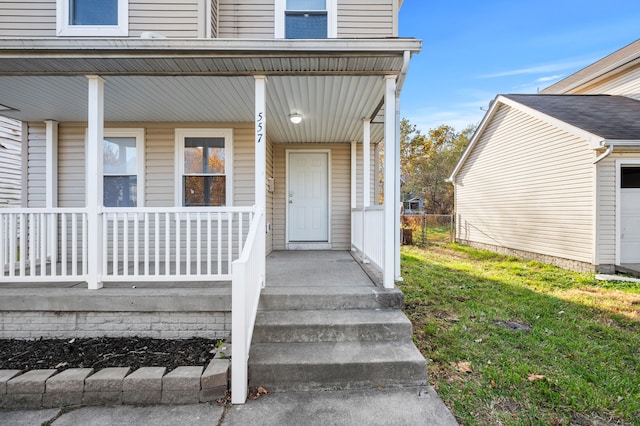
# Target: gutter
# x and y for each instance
(604, 155)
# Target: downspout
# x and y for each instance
(604, 154)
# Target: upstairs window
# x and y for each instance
(305, 19)
(93, 18)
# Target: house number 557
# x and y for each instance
(260, 126)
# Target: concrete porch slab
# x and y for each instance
(322, 268)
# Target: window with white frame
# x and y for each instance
(123, 168)
(205, 162)
(93, 18)
(305, 19)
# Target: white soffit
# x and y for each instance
(333, 106)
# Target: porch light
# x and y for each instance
(295, 118)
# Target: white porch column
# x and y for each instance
(366, 163)
(354, 174)
(51, 159)
(396, 177)
(95, 137)
(260, 141)
(390, 207)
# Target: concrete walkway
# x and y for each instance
(407, 406)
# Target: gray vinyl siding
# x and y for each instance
(246, 19)
(36, 167)
(71, 166)
(10, 162)
(365, 18)
(28, 18)
(528, 186)
(214, 18)
(172, 18)
(340, 164)
(372, 176)
(159, 146)
(606, 213)
(626, 83)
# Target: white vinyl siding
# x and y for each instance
(528, 186)
(340, 227)
(10, 162)
(71, 165)
(28, 18)
(365, 18)
(36, 165)
(171, 18)
(246, 19)
(626, 83)
(607, 207)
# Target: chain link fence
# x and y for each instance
(422, 228)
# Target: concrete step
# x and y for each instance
(325, 298)
(336, 365)
(331, 325)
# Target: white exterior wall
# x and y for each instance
(246, 19)
(372, 176)
(606, 247)
(10, 162)
(535, 196)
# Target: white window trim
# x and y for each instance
(181, 134)
(137, 133)
(332, 18)
(64, 29)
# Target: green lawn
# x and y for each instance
(517, 342)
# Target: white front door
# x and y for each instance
(308, 197)
(630, 214)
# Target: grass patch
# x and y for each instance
(519, 342)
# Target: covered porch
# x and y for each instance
(164, 94)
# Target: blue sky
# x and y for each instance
(475, 49)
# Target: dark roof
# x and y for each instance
(610, 117)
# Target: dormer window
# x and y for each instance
(305, 19)
(93, 18)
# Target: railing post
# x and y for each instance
(95, 136)
(390, 208)
(240, 355)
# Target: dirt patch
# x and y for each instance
(513, 325)
(102, 352)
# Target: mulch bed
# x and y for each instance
(102, 352)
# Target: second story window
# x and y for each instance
(93, 18)
(305, 19)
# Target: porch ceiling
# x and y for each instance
(333, 83)
(332, 105)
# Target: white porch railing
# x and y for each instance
(367, 236)
(31, 239)
(141, 244)
(173, 244)
(248, 281)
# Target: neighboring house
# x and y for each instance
(10, 162)
(179, 142)
(556, 176)
(413, 204)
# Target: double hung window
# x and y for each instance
(122, 168)
(305, 19)
(93, 18)
(204, 157)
